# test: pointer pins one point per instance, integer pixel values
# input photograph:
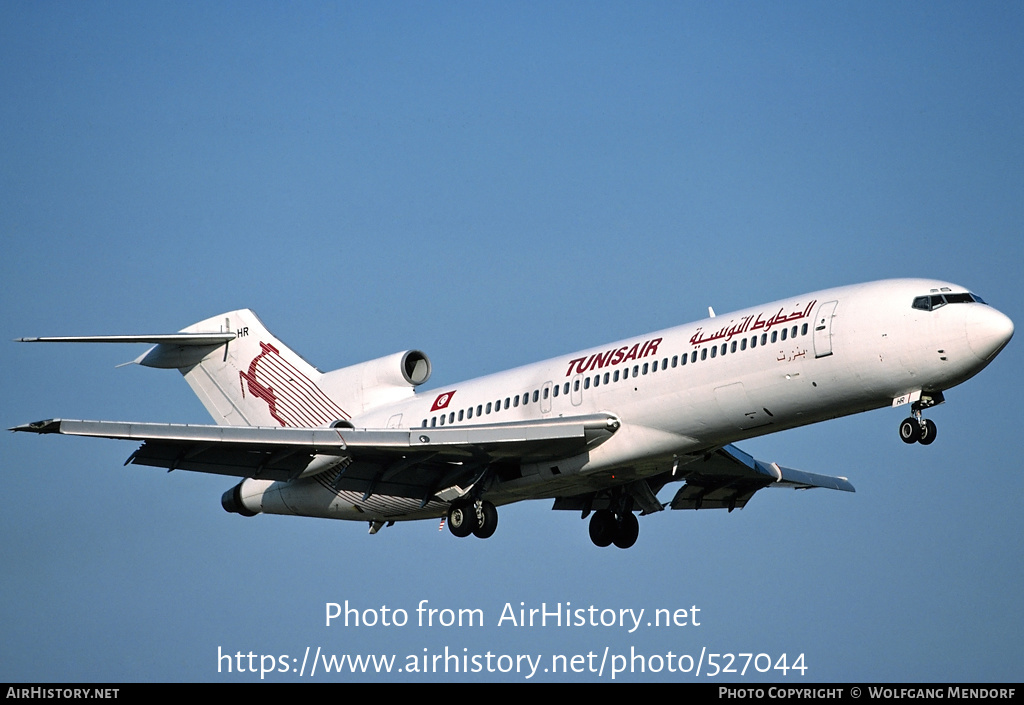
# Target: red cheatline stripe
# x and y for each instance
(293, 404)
(290, 411)
(305, 396)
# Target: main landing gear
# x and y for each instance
(607, 528)
(478, 517)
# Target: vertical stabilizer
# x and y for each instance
(252, 380)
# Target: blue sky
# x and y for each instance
(495, 184)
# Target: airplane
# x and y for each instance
(600, 432)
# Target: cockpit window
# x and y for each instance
(934, 301)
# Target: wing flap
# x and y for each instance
(729, 477)
(408, 461)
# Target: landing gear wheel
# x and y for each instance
(603, 528)
(462, 520)
(487, 521)
(910, 430)
(926, 432)
(628, 530)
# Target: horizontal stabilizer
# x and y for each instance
(165, 338)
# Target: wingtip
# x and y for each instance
(45, 426)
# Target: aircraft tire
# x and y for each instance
(910, 430)
(927, 433)
(603, 528)
(629, 530)
(461, 520)
(490, 521)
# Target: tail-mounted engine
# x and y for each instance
(381, 381)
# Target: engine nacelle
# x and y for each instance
(234, 502)
(298, 498)
(369, 384)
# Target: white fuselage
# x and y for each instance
(684, 390)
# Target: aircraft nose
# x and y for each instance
(988, 331)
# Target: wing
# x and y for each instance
(400, 462)
(724, 479)
(728, 478)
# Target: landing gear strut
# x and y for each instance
(477, 517)
(916, 428)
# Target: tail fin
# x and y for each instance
(244, 376)
(253, 379)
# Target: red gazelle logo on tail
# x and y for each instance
(292, 398)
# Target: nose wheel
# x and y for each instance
(917, 430)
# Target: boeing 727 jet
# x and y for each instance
(601, 432)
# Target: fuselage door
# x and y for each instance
(823, 329)
(545, 398)
(577, 389)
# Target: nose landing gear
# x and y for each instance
(916, 428)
